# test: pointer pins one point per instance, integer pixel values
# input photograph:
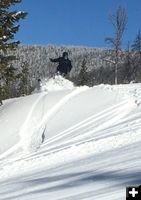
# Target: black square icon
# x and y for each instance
(133, 193)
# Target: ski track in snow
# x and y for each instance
(43, 123)
(116, 128)
(115, 113)
(24, 127)
(28, 134)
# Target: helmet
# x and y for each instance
(65, 54)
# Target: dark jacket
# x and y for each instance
(64, 66)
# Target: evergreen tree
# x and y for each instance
(126, 70)
(82, 78)
(128, 65)
(136, 49)
(8, 28)
(25, 86)
(136, 46)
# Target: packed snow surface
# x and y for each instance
(71, 143)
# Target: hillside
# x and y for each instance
(91, 148)
(37, 59)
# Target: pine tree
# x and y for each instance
(136, 50)
(136, 46)
(126, 74)
(137, 43)
(82, 79)
(25, 87)
(8, 28)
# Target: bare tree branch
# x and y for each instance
(119, 22)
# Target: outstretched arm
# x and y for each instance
(54, 60)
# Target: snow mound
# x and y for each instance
(56, 83)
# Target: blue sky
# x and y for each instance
(75, 22)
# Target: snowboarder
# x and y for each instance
(64, 66)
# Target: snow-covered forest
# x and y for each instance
(37, 59)
(93, 65)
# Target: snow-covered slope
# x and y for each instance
(91, 147)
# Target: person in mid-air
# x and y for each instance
(64, 64)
